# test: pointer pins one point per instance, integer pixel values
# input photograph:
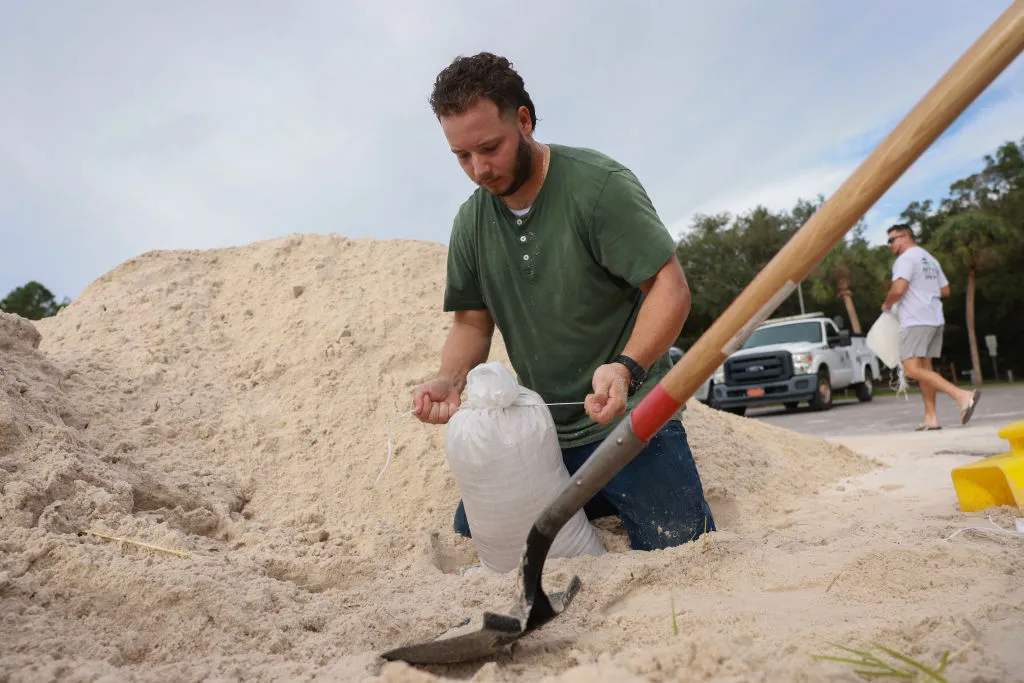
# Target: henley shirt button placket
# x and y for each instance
(527, 268)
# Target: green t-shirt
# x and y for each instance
(561, 282)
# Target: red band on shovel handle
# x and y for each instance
(651, 414)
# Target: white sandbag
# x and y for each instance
(503, 450)
(884, 339)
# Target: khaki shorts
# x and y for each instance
(920, 341)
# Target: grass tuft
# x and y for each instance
(672, 603)
(872, 666)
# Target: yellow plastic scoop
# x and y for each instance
(996, 480)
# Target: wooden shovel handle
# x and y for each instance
(936, 111)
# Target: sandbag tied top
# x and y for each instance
(491, 385)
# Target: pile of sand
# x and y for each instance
(232, 406)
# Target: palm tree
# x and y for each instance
(971, 242)
(834, 277)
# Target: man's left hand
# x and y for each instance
(611, 388)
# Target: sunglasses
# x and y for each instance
(893, 239)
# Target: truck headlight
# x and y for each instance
(719, 375)
(802, 363)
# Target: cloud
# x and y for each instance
(777, 196)
(135, 126)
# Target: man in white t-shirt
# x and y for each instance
(918, 285)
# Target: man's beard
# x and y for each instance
(523, 168)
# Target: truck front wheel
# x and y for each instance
(823, 394)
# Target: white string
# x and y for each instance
(898, 382)
(388, 461)
(994, 529)
(410, 412)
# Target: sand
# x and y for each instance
(232, 406)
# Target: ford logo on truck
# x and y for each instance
(755, 368)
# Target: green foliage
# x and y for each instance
(857, 266)
(32, 301)
(923, 218)
(973, 241)
(722, 254)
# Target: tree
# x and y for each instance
(1004, 175)
(852, 266)
(32, 301)
(972, 242)
(1004, 171)
(721, 254)
(923, 218)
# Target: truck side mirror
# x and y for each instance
(844, 337)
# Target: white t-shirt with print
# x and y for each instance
(921, 304)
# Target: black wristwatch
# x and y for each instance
(636, 373)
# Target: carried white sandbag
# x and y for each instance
(884, 340)
(503, 450)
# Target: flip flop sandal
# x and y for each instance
(926, 428)
(965, 414)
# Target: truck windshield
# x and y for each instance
(785, 334)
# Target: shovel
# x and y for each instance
(532, 607)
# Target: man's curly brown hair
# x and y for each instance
(463, 82)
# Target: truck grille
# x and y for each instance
(759, 369)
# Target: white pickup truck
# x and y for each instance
(794, 359)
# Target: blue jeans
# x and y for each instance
(658, 495)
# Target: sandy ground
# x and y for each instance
(233, 406)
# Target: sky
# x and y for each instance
(127, 127)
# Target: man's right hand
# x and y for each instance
(434, 402)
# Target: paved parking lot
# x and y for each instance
(997, 407)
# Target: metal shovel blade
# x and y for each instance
(469, 641)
